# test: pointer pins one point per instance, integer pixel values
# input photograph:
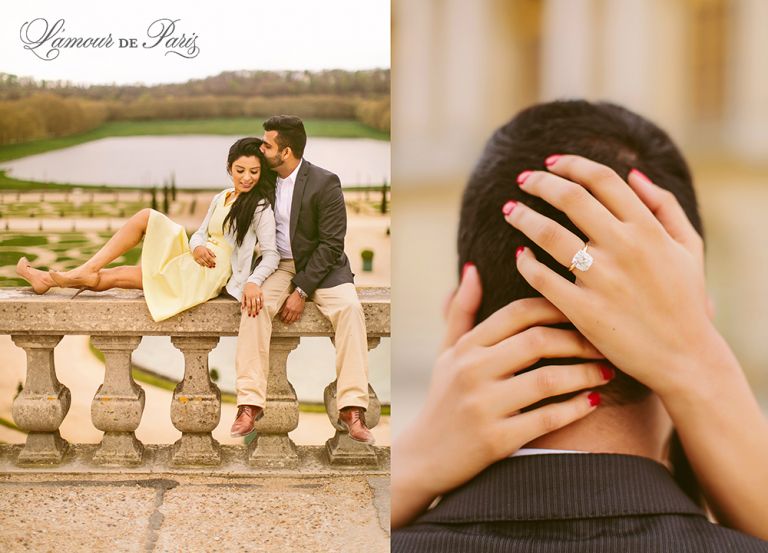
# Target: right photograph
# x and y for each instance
(578, 302)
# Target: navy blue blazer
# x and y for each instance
(318, 227)
(570, 503)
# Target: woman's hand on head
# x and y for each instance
(643, 304)
(471, 417)
(204, 257)
(643, 301)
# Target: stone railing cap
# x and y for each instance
(124, 312)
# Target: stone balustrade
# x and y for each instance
(116, 320)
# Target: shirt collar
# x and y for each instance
(292, 176)
(557, 487)
(539, 451)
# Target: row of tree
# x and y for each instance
(33, 110)
(199, 107)
(46, 115)
(374, 113)
(372, 82)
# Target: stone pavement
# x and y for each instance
(231, 508)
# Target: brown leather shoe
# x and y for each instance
(247, 415)
(353, 419)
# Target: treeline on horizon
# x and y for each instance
(34, 110)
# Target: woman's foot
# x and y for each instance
(40, 280)
(76, 278)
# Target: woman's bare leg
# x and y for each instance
(125, 276)
(129, 235)
(87, 274)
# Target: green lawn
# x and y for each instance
(331, 128)
(25, 241)
(68, 209)
(9, 183)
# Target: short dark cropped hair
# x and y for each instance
(603, 132)
(290, 132)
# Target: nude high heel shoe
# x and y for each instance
(88, 283)
(23, 269)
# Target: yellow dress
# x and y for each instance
(172, 280)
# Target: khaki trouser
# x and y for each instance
(339, 304)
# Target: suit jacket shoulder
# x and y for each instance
(318, 229)
(572, 503)
(318, 172)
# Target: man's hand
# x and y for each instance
(204, 257)
(253, 299)
(292, 308)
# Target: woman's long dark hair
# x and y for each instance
(241, 213)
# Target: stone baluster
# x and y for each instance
(41, 407)
(341, 449)
(272, 447)
(118, 404)
(196, 405)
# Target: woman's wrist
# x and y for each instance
(725, 435)
(410, 486)
(705, 374)
(409, 467)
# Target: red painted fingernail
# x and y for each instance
(608, 372)
(521, 178)
(466, 266)
(508, 207)
(518, 251)
(551, 160)
(642, 175)
(594, 398)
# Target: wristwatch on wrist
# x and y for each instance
(302, 293)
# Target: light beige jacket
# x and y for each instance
(260, 234)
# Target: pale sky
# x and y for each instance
(231, 35)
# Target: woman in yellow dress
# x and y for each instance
(177, 274)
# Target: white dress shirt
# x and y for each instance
(538, 451)
(283, 199)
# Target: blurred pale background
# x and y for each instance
(698, 68)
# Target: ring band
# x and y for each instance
(581, 260)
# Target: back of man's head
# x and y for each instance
(605, 133)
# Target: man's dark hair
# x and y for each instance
(603, 132)
(290, 133)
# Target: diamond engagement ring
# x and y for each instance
(582, 260)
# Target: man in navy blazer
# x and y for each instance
(311, 222)
(611, 482)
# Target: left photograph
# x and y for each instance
(195, 276)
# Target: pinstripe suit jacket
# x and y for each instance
(577, 503)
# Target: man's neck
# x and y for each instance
(287, 167)
(637, 429)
